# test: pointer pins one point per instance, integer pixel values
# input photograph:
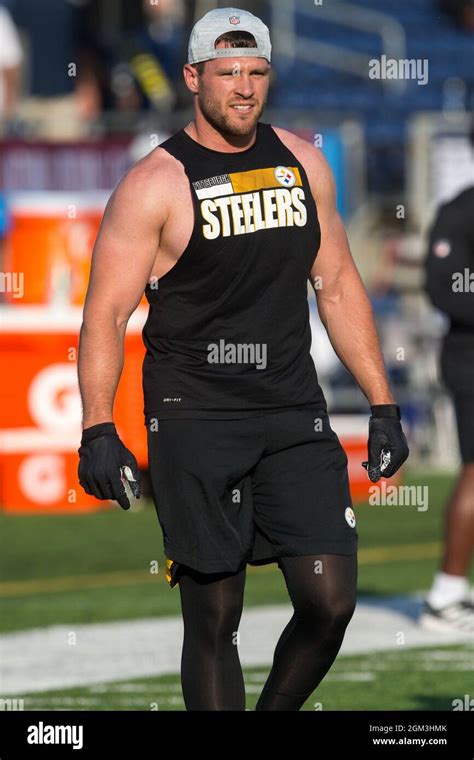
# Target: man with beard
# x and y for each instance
(224, 224)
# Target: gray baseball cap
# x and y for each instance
(219, 21)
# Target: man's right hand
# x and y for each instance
(105, 463)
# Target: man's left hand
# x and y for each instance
(387, 446)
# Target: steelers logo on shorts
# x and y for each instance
(285, 176)
(350, 517)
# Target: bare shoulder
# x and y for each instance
(312, 158)
(154, 183)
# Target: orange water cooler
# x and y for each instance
(48, 256)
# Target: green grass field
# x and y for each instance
(92, 568)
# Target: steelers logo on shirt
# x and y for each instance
(241, 203)
(350, 517)
(285, 176)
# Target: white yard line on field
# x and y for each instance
(41, 659)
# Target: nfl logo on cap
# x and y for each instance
(234, 19)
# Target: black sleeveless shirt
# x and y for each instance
(228, 333)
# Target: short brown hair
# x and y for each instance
(234, 40)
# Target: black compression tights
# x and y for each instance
(322, 590)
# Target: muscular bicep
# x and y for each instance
(125, 248)
(334, 269)
(334, 254)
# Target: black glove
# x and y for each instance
(387, 445)
(105, 464)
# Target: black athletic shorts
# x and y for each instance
(229, 492)
(457, 369)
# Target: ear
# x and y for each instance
(191, 77)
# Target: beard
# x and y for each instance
(223, 123)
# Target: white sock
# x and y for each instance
(447, 589)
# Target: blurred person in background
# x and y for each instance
(62, 93)
(450, 260)
(150, 59)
